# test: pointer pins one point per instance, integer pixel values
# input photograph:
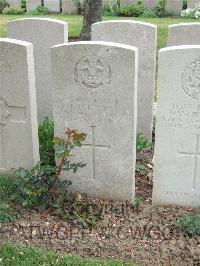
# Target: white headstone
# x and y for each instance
(184, 34)
(143, 36)
(18, 113)
(69, 7)
(174, 6)
(31, 5)
(15, 3)
(93, 95)
(43, 34)
(52, 5)
(177, 147)
(192, 3)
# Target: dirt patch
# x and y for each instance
(147, 237)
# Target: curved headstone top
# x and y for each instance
(43, 34)
(184, 34)
(143, 36)
(125, 21)
(40, 19)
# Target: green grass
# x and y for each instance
(11, 255)
(75, 24)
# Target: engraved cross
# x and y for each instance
(94, 146)
(8, 114)
(196, 156)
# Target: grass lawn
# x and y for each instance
(15, 256)
(75, 24)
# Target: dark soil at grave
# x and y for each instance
(146, 237)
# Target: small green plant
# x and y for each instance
(42, 187)
(23, 5)
(137, 202)
(160, 8)
(141, 143)
(190, 223)
(79, 6)
(46, 135)
(7, 214)
(6, 187)
(13, 11)
(42, 10)
(3, 4)
(110, 10)
(131, 10)
(149, 13)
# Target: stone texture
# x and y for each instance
(184, 34)
(174, 6)
(18, 113)
(143, 36)
(68, 7)
(43, 34)
(192, 3)
(15, 3)
(32, 4)
(98, 98)
(52, 5)
(177, 147)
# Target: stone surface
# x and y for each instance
(52, 5)
(98, 98)
(143, 36)
(43, 34)
(68, 7)
(15, 3)
(184, 34)
(18, 113)
(192, 3)
(177, 147)
(174, 6)
(32, 4)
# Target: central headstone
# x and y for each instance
(93, 95)
(177, 147)
(18, 114)
(143, 36)
(43, 34)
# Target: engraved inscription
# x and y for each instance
(191, 79)
(195, 155)
(4, 113)
(8, 114)
(92, 72)
(93, 146)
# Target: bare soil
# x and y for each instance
(147, 236)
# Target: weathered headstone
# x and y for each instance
(177, 147)
(174, 6)
(52, 5)
(31, 5)
(98, 98)
(69, 7)
(192, 3)
(18, 113)
(15, 3)
(184, 34)
(143, 36)
(43, 34)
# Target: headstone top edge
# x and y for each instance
(39, 19)
(184, 25)
(15, 41)
(92, 43)
(179, 47)
(132, 22)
